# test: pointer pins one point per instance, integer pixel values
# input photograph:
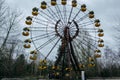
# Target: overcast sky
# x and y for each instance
(105, 10)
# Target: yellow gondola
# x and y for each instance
(97, 51)
(97, 55)
(91, 59)
(53, 2)
(43, 5)
(101, 40)
(100, 30)
(91, 14)
(45, 67)
(43, 61)
(101, 45)
(28, 20)
(57, 73)
(25, 33)
(101, 34)
(97, 23)
(83, 8)
(68, 69)
(91, 65)
(63, 2)
(55, 67)
(26, 29)
(81, 66)
(42, 67)
(35, 11)
(67, 75)
(33, 52)
(27, 45)
(28, 41)
(33, 57)
(74, 3)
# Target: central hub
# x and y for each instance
(64, 31)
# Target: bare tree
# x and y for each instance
(9, 31)
(11, 26)
(9, 21)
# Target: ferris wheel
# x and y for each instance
(66, 29)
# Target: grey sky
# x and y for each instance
(105, 10)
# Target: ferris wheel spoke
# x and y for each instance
(86, 43)
(72, 33)
(86, 33)
(83, 51)
(73, 25)
(46, 43)
(73, 29)
(48, 19)
(61, 32)
(82, 18)
(86, 25)
(62, 19)
(40, 30)
(88, 22)
(54, 13)
(70, 15)
(41, 27)
(52, 48)
(88, 28)
(85, 30)
(82, 58)
(89, 31)
(65, 16)
(49, 28)
(88, 37)
(41, 23)
(58, 13)
(42, 37)
(41, 20)
(48, 16)
(77, 52)
(62, 23)
(76, 15)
